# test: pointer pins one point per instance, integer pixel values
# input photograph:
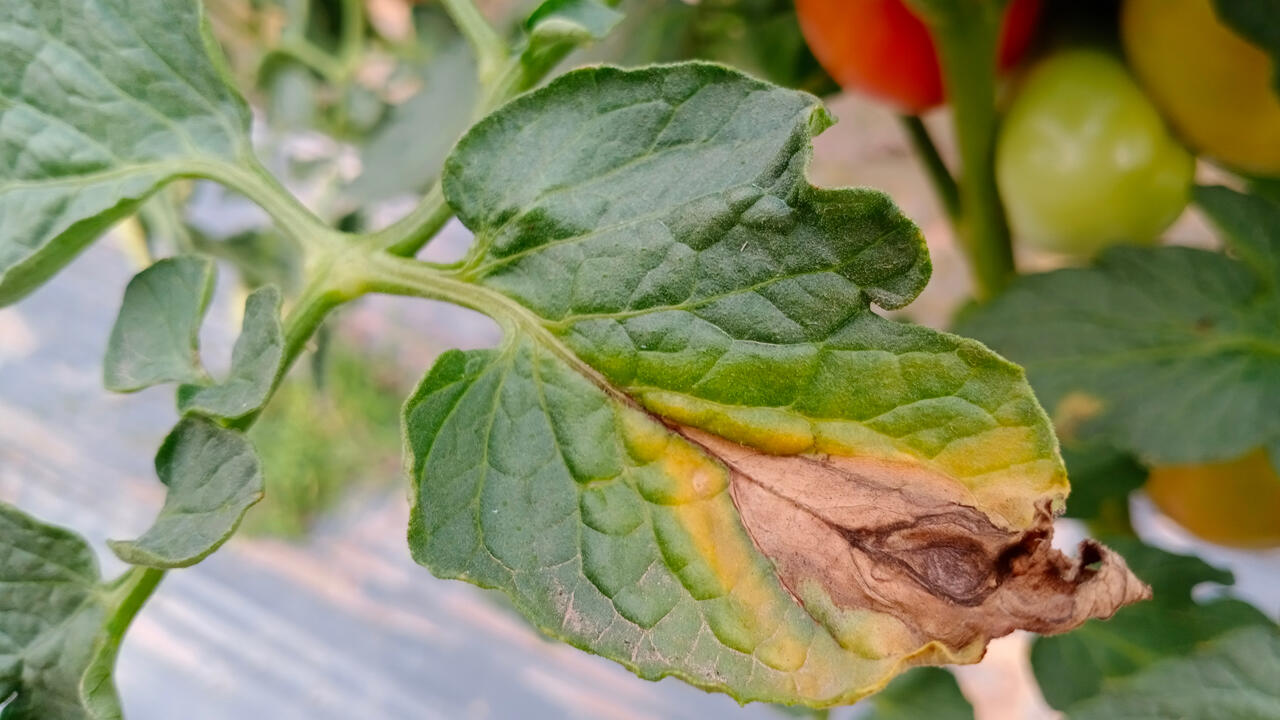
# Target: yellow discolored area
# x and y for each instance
(747, 609)
(1234, 503)
(704, 542)
(1009, 468)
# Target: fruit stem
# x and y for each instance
(944, 184)
(967, 41)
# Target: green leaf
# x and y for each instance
(156, 340)
(1082, 664)
(213, 477)
(255, 361)
(157, 333)
(650, 242)
(589, 18)
(1258, 21)
(922, 693)
(101, 103)
(557, 27)
(1231, 679)
(1101, 480)
(59, 628)
(1169, 353)
(1250, 225)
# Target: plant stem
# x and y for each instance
(967, 41)
(409, 234)
(128, 594)
(491, 52)
(306, 53)
(351, 44)
(935, 169)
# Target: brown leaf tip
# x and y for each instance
(856, 538)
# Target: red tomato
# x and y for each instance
(881, 48)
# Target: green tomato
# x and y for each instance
(1084, 160)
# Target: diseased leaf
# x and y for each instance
(1234, 678)
(921, 694)
(101, 103)
(213, 477)
(616, 534)
(849, 533)
(59, 628)
(1074, 667)
(676, 247)
(890, 502)
(255, 361)
(1186, 366)
(157, 333)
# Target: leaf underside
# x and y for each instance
(101, 103)
(157, 332)
(699, 452)
(55, 652)
(255, 362)
(213, 477)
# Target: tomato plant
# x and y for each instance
(701, 448)
(881, 47)
(1084, 161)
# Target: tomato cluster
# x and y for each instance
(1096, 146)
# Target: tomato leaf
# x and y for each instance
(823, 484)
(1170, 353)
(1101, 479)
(557, 27)
(157, 332)
(1074, 667)
(1258, 21)
(255, 360)
(921, 693)
(61, 629)
(1250, 225)
(1233, 678)
(213, 477)
(102, 102)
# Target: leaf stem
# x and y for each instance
(406, 236)
(292, 218)
(967, 43)
(305, 52)
(128, 593)
(944, 184)
(491, 52)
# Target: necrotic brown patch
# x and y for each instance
(904, 541)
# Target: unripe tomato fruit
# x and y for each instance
(1084, 160)
(1213, 85)
(1235, 503)
(881, 48)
